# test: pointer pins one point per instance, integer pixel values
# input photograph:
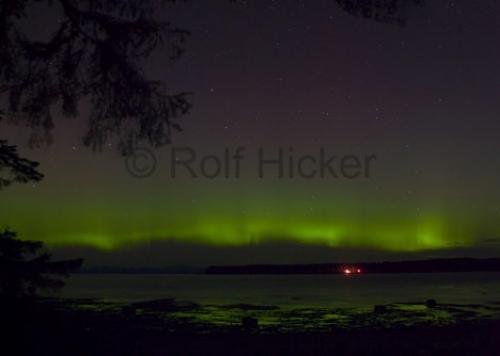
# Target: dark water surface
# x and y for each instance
(336, 291)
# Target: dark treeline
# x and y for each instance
(421, 266)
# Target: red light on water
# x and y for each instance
(351, 270)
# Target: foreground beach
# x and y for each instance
(163, 327)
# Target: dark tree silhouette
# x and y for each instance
(385, 11)
(15, 169)
(25, 267)
(96, 53)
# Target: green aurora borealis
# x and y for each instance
(117, 210)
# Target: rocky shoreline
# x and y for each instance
(87, 326)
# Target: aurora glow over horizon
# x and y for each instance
(365, 213)
(424, 99)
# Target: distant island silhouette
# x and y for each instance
(441, 265)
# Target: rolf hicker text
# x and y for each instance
(269, 163)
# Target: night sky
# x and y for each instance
(268, 74)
